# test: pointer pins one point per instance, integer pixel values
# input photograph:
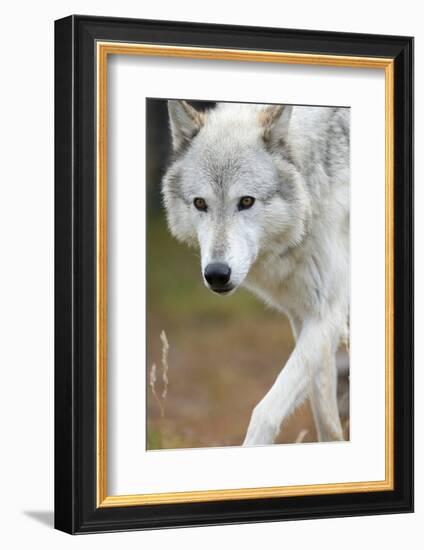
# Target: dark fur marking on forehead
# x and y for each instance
(219, 171)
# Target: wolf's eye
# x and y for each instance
(200, 204)
(245, 203)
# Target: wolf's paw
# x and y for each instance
(262, 430)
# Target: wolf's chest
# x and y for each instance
(281, 282)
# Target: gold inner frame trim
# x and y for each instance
(103, 50)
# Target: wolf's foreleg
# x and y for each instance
(300, 378)
(288, 391)
(323, 399)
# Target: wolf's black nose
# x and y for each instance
(217, 274)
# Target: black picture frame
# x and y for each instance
(76, 508)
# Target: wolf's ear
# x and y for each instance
(185, 122)
(275, 121)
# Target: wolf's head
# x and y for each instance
(233, 188)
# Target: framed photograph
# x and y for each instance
(234, 269)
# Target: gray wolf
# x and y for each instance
(263, 191)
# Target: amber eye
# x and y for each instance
(245, 203)
(200, 204)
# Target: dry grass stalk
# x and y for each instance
(165, 366)
(153, 388)
(301, 436)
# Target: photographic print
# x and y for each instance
(233, 274)
(247, 273)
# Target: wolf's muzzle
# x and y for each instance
(218, 275)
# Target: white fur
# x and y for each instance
(290, 248)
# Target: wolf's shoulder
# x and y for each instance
(316, 117)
